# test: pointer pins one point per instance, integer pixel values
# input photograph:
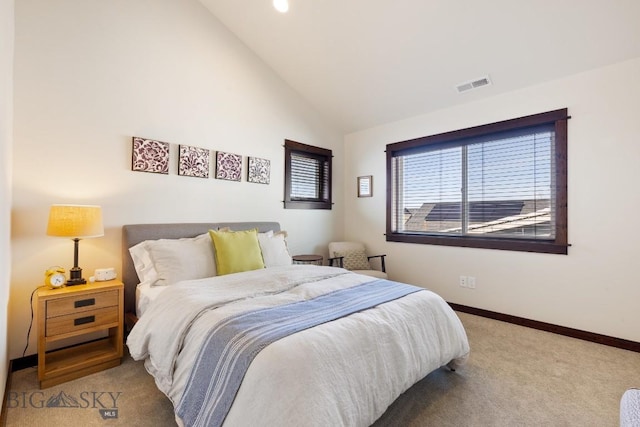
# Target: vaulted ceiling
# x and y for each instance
(362, 63)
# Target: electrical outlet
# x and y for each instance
(463, 281)
(471, 282)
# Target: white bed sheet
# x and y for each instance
(342, 373)
(145, 295)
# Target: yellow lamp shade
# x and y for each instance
(75, 221)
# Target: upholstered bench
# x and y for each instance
(630, 408)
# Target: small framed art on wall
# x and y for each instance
(365, 186)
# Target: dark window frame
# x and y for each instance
(558, 245)
(322, 155)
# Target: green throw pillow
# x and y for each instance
(236, 251)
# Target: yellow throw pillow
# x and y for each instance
(236, 251)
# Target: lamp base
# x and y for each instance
(73, 282)
(75, 276)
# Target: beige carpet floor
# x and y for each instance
(515, 376)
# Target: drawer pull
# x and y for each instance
(83, 320)
(84, 302)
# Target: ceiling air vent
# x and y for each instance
(474, 84)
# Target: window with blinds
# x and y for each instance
(307, 176)
(500, 186)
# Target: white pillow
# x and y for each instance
(274, 248)
(173, 260)
(142, 262)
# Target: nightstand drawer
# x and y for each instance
(81, 303)
(78, 321)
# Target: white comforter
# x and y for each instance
(345, 372)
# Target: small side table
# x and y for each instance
(308, 259)
(74, 311)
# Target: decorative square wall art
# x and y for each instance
(259, 170)
(149, 155)
(193, 161)
(228, 166)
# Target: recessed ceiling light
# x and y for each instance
(281, 6)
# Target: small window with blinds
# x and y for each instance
(498, 186)
(307, 176)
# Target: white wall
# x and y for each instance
(89, 75)
(6, 138)
(595, 288)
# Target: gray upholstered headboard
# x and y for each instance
(136, 233)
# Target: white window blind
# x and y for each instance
(499, 187)
(309, 177)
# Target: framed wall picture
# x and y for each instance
(365, 186)
(259, 170)
(148, 155)
(228, 166)
(193, 161)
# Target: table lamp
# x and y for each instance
(77, 222)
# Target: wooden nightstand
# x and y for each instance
(74, 311)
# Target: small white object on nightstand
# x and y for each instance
(104, 274)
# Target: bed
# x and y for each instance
(285, 345)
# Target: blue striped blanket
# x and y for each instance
(233, 343)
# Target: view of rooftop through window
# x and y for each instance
(501, 187)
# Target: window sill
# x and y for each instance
(539, 246)
(306, 205)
